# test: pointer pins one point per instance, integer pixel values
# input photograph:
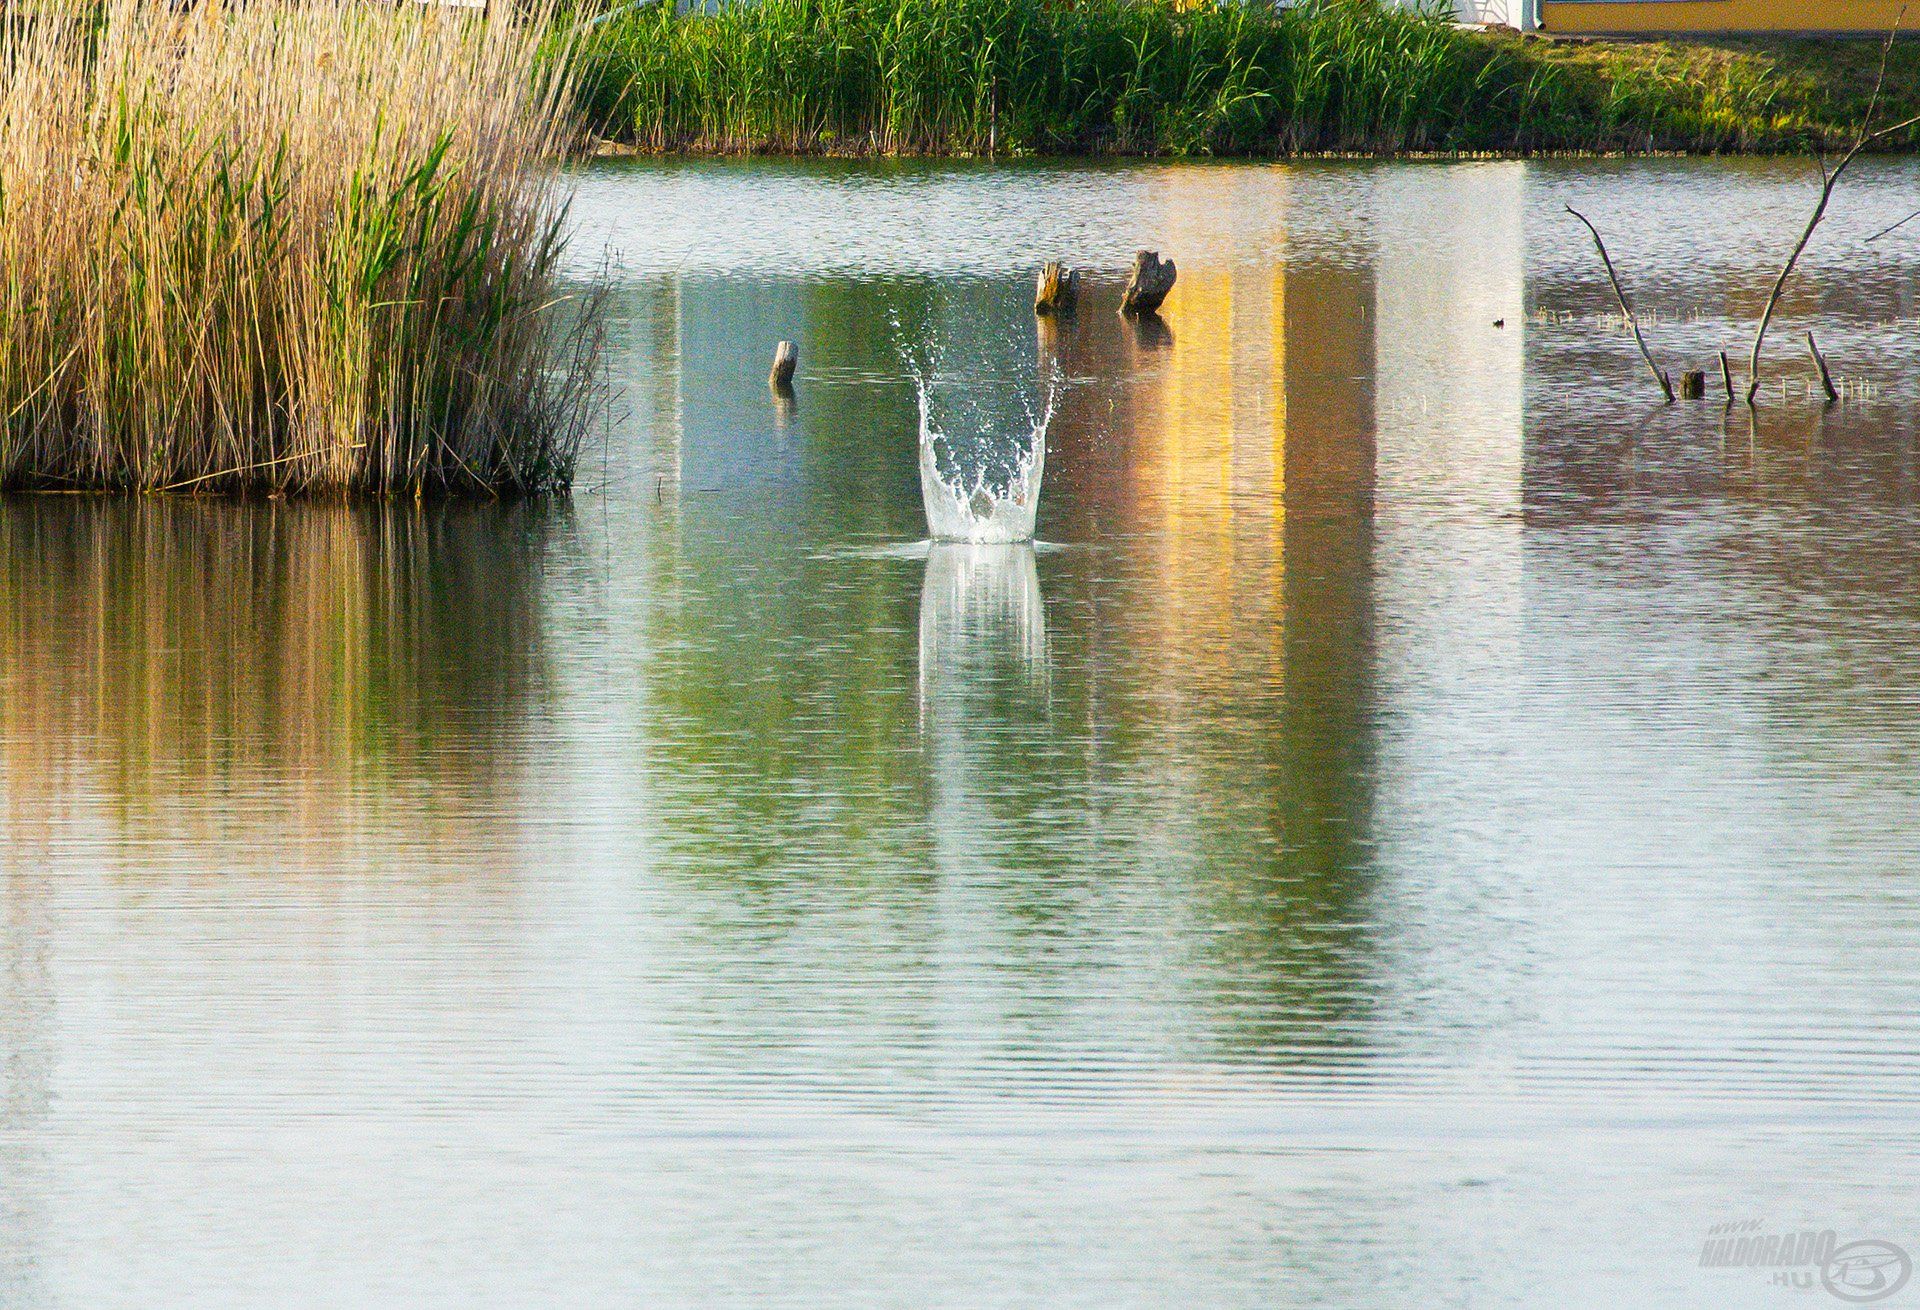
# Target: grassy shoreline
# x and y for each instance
(1153, 77)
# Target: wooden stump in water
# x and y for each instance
(1152, 279)
(1693, 385)
(1058, 290)
(786, 358)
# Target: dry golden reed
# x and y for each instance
(285, 247)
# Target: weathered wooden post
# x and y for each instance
(1726, 377)
(786, 358)
(1693, 385)
(1151, 281)
(1057, 291)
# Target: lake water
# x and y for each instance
(1428, 824)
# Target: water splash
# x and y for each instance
(996, 500)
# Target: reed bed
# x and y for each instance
(1172, 77)
(305, 246)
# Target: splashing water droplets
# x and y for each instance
(972, 493)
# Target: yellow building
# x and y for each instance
(1575, 17)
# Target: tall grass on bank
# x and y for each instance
(306, 246)
(1162, 77)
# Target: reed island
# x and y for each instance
(306, 247)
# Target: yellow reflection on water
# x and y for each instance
(1246, 403)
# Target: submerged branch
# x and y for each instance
(1829, 180)
(1786, 270)
(1626, 307)
(1820, 362)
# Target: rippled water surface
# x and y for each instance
(1426, 825)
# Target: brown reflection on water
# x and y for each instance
(224, 672)
(1635, 461)
(1776, 549)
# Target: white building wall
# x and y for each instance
(1521, 14)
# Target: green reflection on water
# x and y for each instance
(1171, 708)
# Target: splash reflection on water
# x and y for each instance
(980, 606)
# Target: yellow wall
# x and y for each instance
(1575, 16)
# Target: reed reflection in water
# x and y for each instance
(220, 673)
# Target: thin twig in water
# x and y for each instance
(1829, 180)
(1626, 307)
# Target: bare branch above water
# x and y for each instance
(1626, 306)
(1829, 179)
